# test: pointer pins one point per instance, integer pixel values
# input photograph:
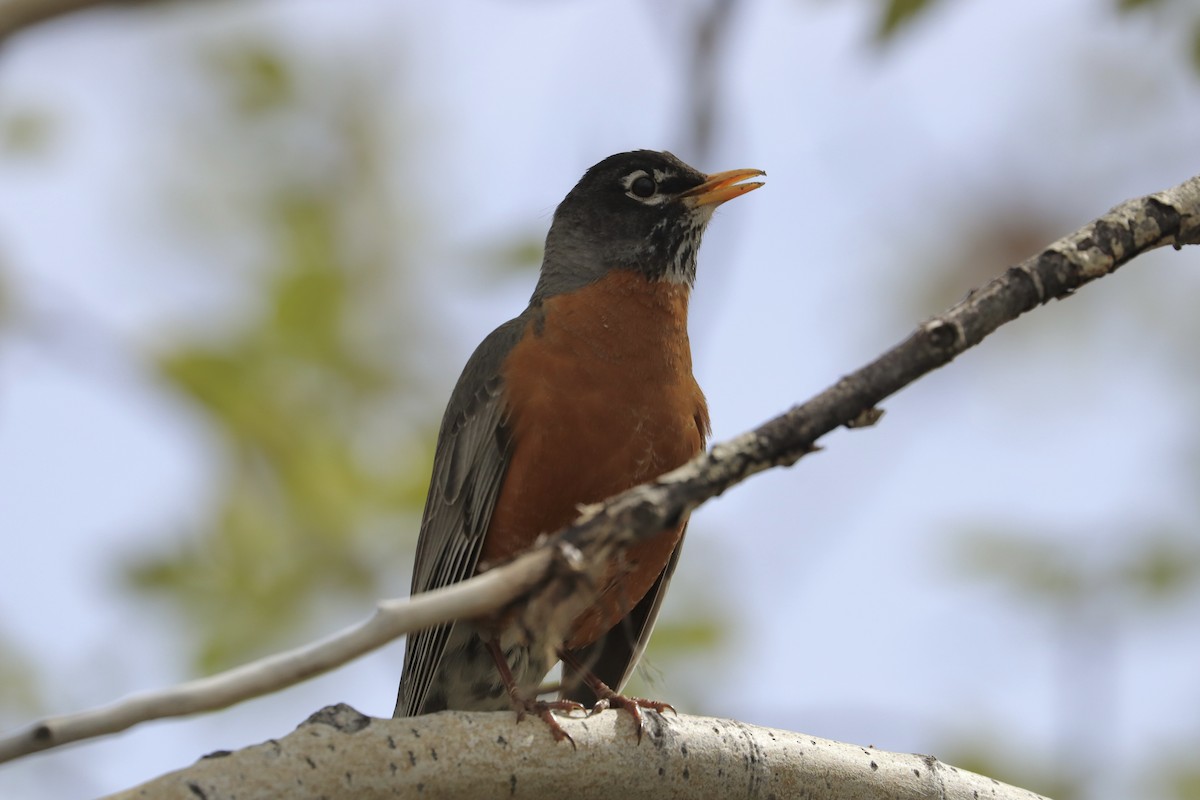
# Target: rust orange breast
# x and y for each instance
(601, 398)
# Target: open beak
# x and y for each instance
(722, 186)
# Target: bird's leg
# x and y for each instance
(608, 698)
(524, 705)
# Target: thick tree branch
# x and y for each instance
(549, 586)
(341, 753)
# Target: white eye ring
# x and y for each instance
(644, 187)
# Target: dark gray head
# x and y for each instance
(642, 211)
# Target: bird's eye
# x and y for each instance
(643, 186)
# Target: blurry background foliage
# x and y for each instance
(894, 15)
(315, 387)
(312, 392)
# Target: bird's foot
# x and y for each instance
(633, 705)
(610, 698)
(544, 710)
(525, 705)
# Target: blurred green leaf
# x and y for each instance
(522, 253)
(1130, 5)
(19, 690)
(258, 74)
(1048, 779)
(1175, 15)
(27, 132)
(1156, 566)
(1042, 569)
(899, 13)
(677, 637)
(1162, 567)
(1194, 50)
(1185, 780)
(6, 299)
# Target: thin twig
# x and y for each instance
(392, 619)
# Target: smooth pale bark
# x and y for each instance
(485, 755)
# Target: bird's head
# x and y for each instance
(643, 211)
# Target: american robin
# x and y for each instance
(588, 392)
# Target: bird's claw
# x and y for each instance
(634, 706)
(544, 710)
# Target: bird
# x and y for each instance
(586, 393)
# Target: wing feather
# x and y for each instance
(469, 463)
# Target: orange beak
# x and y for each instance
(722, 186)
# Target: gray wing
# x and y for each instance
(469, 462)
